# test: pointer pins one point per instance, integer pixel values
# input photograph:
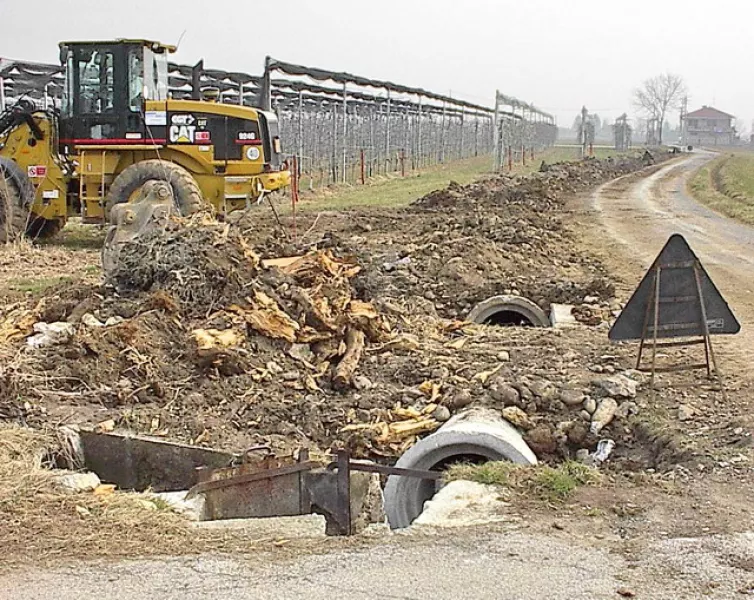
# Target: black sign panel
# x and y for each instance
(679, 313)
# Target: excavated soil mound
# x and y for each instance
(204, 334)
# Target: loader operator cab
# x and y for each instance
(106, 85)
(116, 94)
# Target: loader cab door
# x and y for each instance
(105, 90)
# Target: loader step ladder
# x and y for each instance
(87, 175)
(655, 305)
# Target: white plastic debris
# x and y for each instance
(50, 334)
(604, 449)
(389, 266)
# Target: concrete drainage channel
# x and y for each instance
(210, 485)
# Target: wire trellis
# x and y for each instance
(344, 128)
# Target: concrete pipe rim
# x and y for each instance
(477, 434)
(506, 306)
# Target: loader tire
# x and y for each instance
(16, 194)
(42, 229)
(186, 192)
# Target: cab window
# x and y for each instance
(96, 82)
(135, 80)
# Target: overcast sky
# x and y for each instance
(557, 54)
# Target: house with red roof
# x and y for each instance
(709, 127)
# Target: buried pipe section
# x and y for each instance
(508, 310)
(477, 435)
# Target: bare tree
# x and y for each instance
(659, 95)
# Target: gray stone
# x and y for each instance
(440, 373)
(543, 389)
(582, 454)
(461, 398)
(525, 393)
(441, 413)
(503, 356)
(590, 405)
(686, 412)
(505, 393)
(626, 409)
(617, 386)
(360, 382)
(571, 397)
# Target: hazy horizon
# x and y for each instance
(557, 55)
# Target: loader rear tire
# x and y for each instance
(186, 192)
(14, 207)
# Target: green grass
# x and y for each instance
(36, 286)
(550, 484)
(400, 191)
(726, 185)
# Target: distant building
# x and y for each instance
(709, 127)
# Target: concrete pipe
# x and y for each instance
(508, 310)
(476, 435)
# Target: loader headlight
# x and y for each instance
(252, 153)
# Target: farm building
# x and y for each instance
(709, 127)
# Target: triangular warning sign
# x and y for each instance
(679, 313)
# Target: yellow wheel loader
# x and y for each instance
(117, 130)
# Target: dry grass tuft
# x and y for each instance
(39, 524)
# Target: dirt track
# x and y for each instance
(638, 215)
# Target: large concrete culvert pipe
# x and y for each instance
(476, 435)
(508, 310)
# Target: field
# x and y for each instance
(726, 185)
(399, 191)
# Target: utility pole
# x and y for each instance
(584, 136)
(684, 112)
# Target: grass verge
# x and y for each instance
(550, 484)
(726, 185)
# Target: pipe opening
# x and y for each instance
(508, 318)
(509, 311)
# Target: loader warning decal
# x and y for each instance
(36, 171)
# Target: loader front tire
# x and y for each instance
(14, 207)
(186, 192)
